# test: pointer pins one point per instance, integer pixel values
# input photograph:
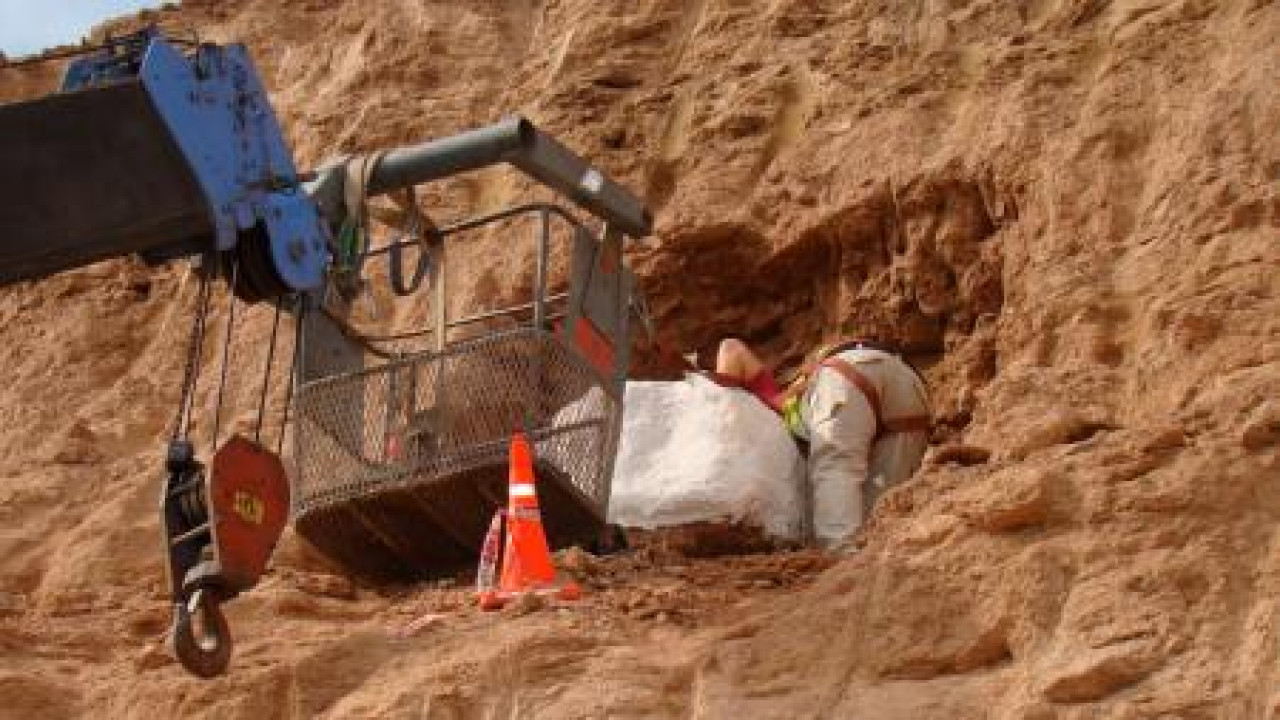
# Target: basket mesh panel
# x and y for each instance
(401, 466)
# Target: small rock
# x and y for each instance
(331, 586)
(1164, 440)
(152, 657)
(925, 532)
(1059, 427)
(1097, 674)
(645, 613)
(149, 622)
(294, 604)
(960, 454)
(1015, 502)
(12, 603)
(78, 446)
(420, 624)
(1263, 430)
(1192, 330)
(525, 604)
(576, 560)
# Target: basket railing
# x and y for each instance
(386, 418)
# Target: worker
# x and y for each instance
(865, 414)
(738, 366)
(862, 411)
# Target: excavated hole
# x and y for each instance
(919, 265)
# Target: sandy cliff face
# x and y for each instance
(1069, 211)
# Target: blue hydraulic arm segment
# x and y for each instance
(154, 151)
(166, 152)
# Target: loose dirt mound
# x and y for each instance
(1067, 209)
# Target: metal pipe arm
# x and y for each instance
(513, 140)
(441, 158)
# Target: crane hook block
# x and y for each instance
(204, 648)
(220, 529)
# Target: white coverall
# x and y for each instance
(850, 466)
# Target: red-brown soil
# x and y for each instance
(1068, 210)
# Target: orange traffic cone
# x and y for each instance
(526, 560)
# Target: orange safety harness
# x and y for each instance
(884, 426)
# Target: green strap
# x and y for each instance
(791, 416)
(349, 244)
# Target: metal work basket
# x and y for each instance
(402, 460)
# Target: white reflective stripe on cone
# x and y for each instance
(522, 490)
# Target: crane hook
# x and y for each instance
(208, 652)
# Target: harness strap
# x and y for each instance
(353, 236)
(355, 187)
(905, 424)
(860, 381)
(859, 343)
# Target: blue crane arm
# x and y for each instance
(151, 150)
(154, 151)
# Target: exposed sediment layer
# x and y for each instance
(1069, 210)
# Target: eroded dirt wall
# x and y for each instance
(1068, 210)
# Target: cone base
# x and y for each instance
(498, 599)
